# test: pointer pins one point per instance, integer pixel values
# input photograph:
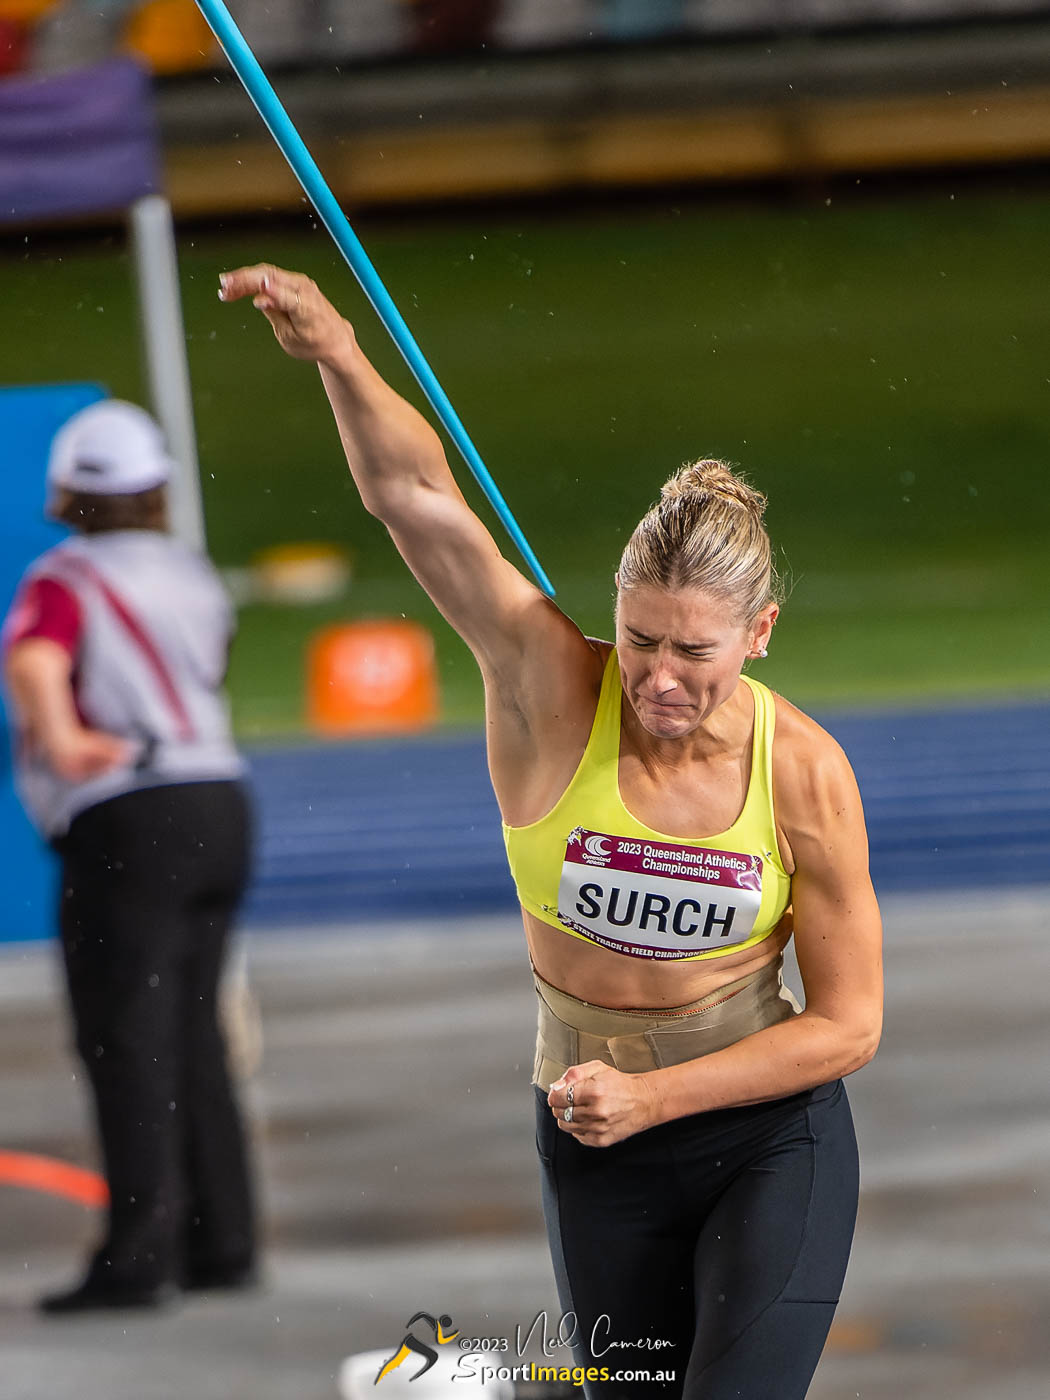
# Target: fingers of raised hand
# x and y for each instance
(243, 281)
(305, 323)
(271, 288)
(288, 295)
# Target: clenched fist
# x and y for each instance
(607, 1105)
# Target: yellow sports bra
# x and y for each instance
(594, 871)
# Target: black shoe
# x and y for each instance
(92, 1296)
(220, 1278)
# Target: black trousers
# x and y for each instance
(726, 1234)
(150, 884)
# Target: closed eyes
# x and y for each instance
(642, 643)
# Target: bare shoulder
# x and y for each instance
(800, 743)
(813, 781)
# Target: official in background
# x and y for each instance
(115, 653)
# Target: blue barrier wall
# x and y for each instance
(29, 418)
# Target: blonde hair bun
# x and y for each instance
(711, 477)
(706, 532)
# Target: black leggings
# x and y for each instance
(150, 884)
(725, 1234)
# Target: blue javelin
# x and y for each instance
(304, 167)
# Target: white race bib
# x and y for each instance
(655, 899)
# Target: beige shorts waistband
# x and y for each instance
(571, 1031)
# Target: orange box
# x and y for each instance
(171, 35)
(25, 11)
(371, 678)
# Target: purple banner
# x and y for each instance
(638, 856)
(76, 143)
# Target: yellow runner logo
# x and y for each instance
(412, 1346)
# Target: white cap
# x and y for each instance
(111, 448)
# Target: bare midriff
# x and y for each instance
(604, 978)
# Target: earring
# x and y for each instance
(763, 652)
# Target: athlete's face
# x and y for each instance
(680, 653)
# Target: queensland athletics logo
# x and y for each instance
(595, 847)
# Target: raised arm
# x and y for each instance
(399, 466)
(541, 674)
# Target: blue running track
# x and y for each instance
(956, 798)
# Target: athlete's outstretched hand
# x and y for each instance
(607, 1105)
(306, 324)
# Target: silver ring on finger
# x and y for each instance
(567, 1114)
(570, 1094)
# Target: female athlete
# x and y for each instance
(699, 1161)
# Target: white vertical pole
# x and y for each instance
(160, 307)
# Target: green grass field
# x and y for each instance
(881, 369)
